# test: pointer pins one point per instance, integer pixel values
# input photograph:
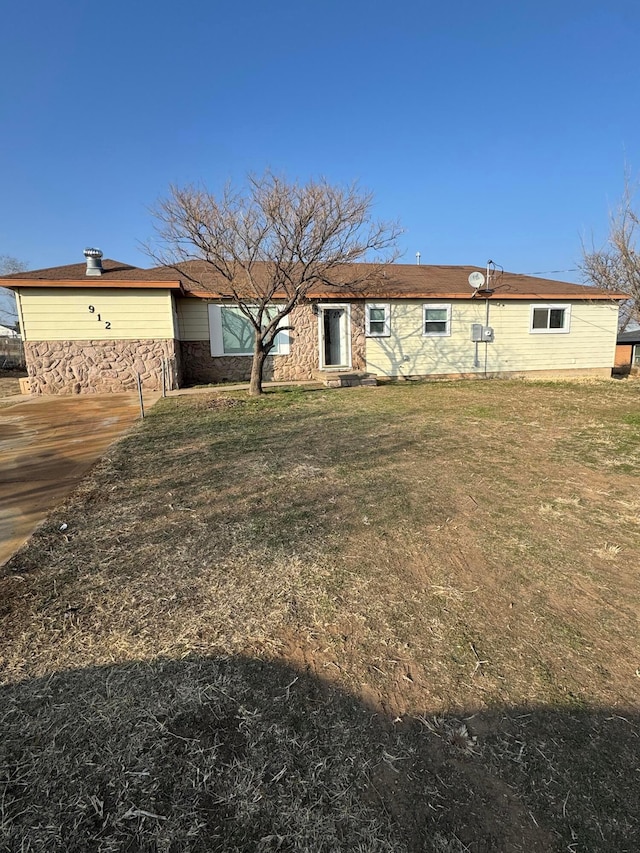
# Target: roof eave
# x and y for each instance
(495, 297)
(16, 284)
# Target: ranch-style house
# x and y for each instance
(96, 326)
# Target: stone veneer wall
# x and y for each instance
(301, 363)
(93, 367)
(201, 367)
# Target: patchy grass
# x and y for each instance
(397, 618)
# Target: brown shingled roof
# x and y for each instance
(114, 274)
(408, 281)
(396, 281)
(71, 272)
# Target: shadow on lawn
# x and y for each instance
(237, 754)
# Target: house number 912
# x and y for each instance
(107, 323)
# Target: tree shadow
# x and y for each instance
(239, 754)
(406, 353)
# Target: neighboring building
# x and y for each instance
(92, 328)
(628, 353)
(8, 332)
(11, 352)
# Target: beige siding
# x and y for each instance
(193, 319)
(590, 343)
(62, 314)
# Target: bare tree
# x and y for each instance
(8, 312)
(616, 266)
(270, 243)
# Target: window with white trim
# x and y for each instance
(232, 333)
(550, 319)
(436, 321)
(378, 320)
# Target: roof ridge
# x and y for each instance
(114, 266)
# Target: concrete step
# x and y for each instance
(346, 379)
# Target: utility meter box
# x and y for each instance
(487, 334)
(476, 332)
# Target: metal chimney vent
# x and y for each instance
(94, 262)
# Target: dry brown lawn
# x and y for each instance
(402, 618)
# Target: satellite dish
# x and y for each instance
(476, 280)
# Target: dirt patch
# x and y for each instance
(224, 403)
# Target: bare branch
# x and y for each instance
(266, 247)
(8, 310)
(616, 265)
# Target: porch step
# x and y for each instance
(336, 379)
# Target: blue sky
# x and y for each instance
(491, 130)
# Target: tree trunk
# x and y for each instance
(257, 367)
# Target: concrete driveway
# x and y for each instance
(46, 445)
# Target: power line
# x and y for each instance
(551, 272)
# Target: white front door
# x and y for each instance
(335, 341)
